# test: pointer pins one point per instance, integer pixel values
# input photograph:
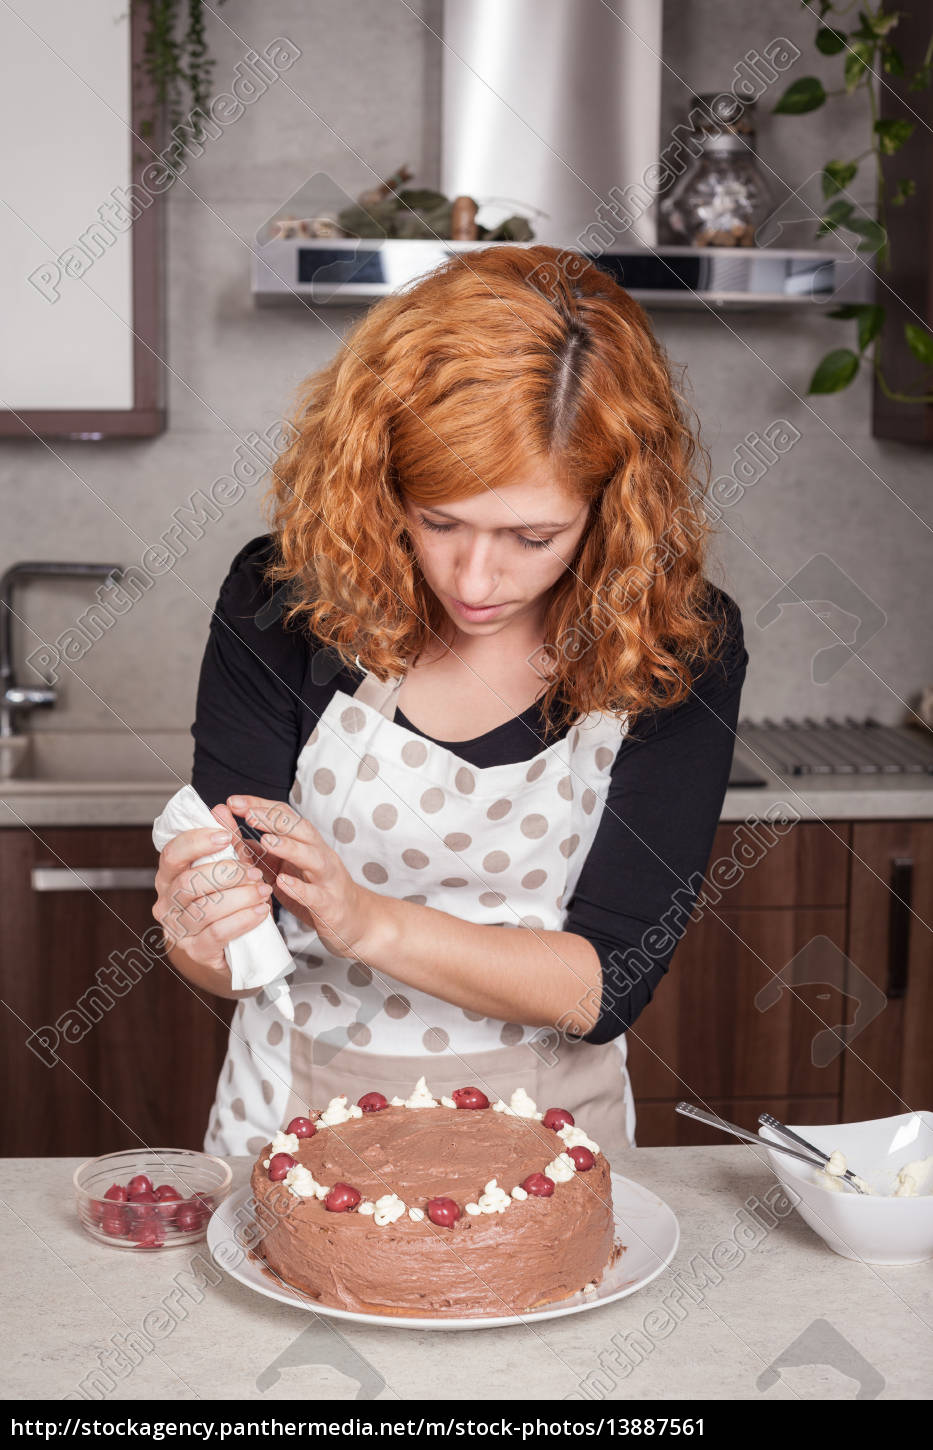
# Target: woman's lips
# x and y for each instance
(487, 611)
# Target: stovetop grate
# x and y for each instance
(834, 747)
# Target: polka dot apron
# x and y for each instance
(502, 846)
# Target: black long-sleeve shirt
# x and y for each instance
(263, 687)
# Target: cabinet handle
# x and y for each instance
(93, 878)
(902, 880)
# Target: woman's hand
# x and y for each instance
(201, 908)
(309, 878)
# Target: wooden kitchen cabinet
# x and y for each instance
(718, 1033)
(889, 1063)
(840, 914)
(105, 1046)
(723, 1031)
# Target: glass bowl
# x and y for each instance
(200, 1181)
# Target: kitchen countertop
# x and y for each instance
(46, 803)
(120, 779)
(832, 798)
(788, 1293)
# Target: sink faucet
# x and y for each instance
(26, 697)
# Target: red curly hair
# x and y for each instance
(502, 356)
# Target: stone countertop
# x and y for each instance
(832, 798)
(839, 798)
(785, 1294)
(49, 804)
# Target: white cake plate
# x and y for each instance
(644, 1223)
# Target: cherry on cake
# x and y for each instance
(428, 1207)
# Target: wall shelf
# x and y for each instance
(349, 272)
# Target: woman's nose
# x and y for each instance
(477, 572)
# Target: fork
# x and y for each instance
(768, 1120)
(712, 1120)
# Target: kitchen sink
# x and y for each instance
(94, 762)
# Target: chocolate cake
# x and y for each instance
(428, 1208)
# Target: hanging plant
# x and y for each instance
(865, 52)
(178, 66)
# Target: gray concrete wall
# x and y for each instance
(362, 98)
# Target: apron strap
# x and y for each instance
(379, 694)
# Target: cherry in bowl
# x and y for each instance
(151, 1198)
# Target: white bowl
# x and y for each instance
(875, 1228)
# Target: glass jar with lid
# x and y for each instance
(722, 200)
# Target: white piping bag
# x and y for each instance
(259, 958)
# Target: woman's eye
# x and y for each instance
(446, 528)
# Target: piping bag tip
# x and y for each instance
(278, 993)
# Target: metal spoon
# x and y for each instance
(768, 1120)
(713, 1121)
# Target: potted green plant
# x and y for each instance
(177, 64)
(867, 53)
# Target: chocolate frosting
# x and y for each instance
(537, 1251)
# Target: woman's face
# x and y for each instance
(492, 558)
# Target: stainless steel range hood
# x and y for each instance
(554, 106)
(550, 104)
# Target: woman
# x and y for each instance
(479, 661)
